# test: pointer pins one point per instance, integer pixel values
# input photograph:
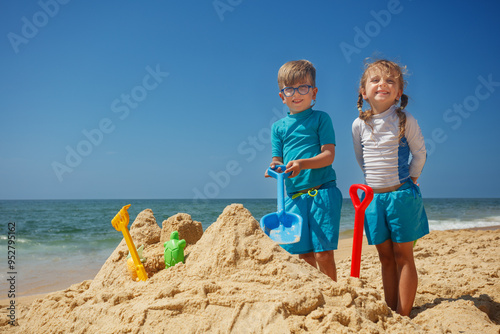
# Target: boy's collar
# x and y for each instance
(303, 113)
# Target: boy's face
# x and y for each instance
(298, 102)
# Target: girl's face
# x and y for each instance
(381, 90)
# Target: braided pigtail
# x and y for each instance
(402, 116)
(366, 115)
(404, 101)
(360, 104)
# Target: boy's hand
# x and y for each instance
(325, 158)
(295, 167)
(273, 165)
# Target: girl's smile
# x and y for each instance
(381, 92)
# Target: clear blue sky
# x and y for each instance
(174, 99)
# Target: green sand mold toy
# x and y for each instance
(174, 250)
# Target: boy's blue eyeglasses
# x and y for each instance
(302, 89)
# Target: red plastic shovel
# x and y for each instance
(359, 220)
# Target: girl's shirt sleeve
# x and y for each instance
(356, 140)
(416, 144)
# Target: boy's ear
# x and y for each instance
(282, 97)
(314, 92)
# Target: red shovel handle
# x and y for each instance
(359, 220)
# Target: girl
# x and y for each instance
(384, 136)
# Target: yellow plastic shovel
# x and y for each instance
(120, 223)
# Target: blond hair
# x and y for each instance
(296, 71)
(386, 68)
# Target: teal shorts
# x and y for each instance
(398, 215)
(321, 219)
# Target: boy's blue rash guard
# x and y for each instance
(300, 136)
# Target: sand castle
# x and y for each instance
(236, 280)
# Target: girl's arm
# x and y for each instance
(356, 140)
(416, 144)
(325, 158)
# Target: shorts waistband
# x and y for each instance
(313, 191)
(387, 189)
(408, 184)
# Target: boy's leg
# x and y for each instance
(309, 258)
(408, 277)
(326, 263)
(390, 275)
(324, 211)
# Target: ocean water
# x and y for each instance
(61, 241)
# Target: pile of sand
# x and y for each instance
(236, 280)
(459, 286)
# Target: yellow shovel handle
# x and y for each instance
(141, 272)
(120, 223)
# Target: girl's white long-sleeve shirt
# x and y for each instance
(385, 161)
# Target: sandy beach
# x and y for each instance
(236, 280)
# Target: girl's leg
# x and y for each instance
(326, 263)
(309, 258)
(390, 277)
(408, 277)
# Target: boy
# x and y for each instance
(304, 141)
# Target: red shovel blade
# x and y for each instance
(359, 220)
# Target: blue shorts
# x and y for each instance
(321, 219)
(398, 215)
